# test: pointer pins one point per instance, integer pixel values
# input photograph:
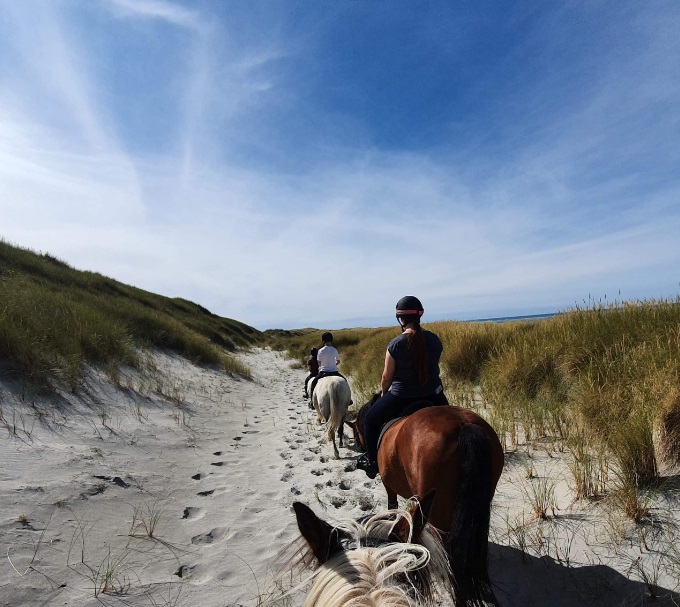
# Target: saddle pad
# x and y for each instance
(387, 426)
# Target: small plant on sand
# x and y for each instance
(588, 466)
(648, 568)
(561, 540)
(145, 519)
(540, 491)
(517, 533)
(110, 576)
(630, 498)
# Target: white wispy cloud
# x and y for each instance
(170, 12)
(559, 207)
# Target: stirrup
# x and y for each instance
(365, 464)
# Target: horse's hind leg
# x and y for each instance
(341, 433)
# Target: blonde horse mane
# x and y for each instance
(374, 570)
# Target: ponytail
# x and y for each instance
(416, 346)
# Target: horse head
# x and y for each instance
(385, 555)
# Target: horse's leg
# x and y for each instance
(391, 499)
(335, 449)
(317, 408)
(341, 433)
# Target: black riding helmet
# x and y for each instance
(327, 337)
(409, 309)
(313, 351)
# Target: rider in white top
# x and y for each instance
(328, 358)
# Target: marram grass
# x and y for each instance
(609, 373)
(54, 320)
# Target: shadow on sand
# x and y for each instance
(522, 580)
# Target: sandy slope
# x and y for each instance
(218, 462)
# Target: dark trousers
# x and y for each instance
(387, 408)
(321, 374)
(308, 378)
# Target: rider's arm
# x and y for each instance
(388, 373)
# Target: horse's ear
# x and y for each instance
(323, 539)
(420, 513)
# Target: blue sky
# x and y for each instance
(301, 163)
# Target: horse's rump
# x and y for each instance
(331, 399)
(425, 448)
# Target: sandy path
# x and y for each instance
(218, 462)
(219, 468)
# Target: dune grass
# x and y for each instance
(54, 319)
(602, 382)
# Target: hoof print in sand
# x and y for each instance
(198, 477)
(345, 485)
(218, 453)
(193, 574)
(114, 480)
(217, 464)
(215, 535)
(184, 571)
(206, 493)
(295, 491)
(192, 514)
(94, 490)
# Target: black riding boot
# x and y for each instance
(365, 464)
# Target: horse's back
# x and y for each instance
(330, 380)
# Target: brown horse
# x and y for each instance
(457, 453)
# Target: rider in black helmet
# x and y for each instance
(410, 375)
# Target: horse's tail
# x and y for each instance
(467, 543)
(336, 417)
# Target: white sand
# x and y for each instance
(219, 461)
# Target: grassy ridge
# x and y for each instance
(54, 319)
(605, 378)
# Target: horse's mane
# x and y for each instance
(373, 569)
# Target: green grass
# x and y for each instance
(607, 376)
(54, 319)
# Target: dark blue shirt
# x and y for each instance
(405, 382)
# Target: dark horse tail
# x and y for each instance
(467, 543)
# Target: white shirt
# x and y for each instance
(328, 358)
